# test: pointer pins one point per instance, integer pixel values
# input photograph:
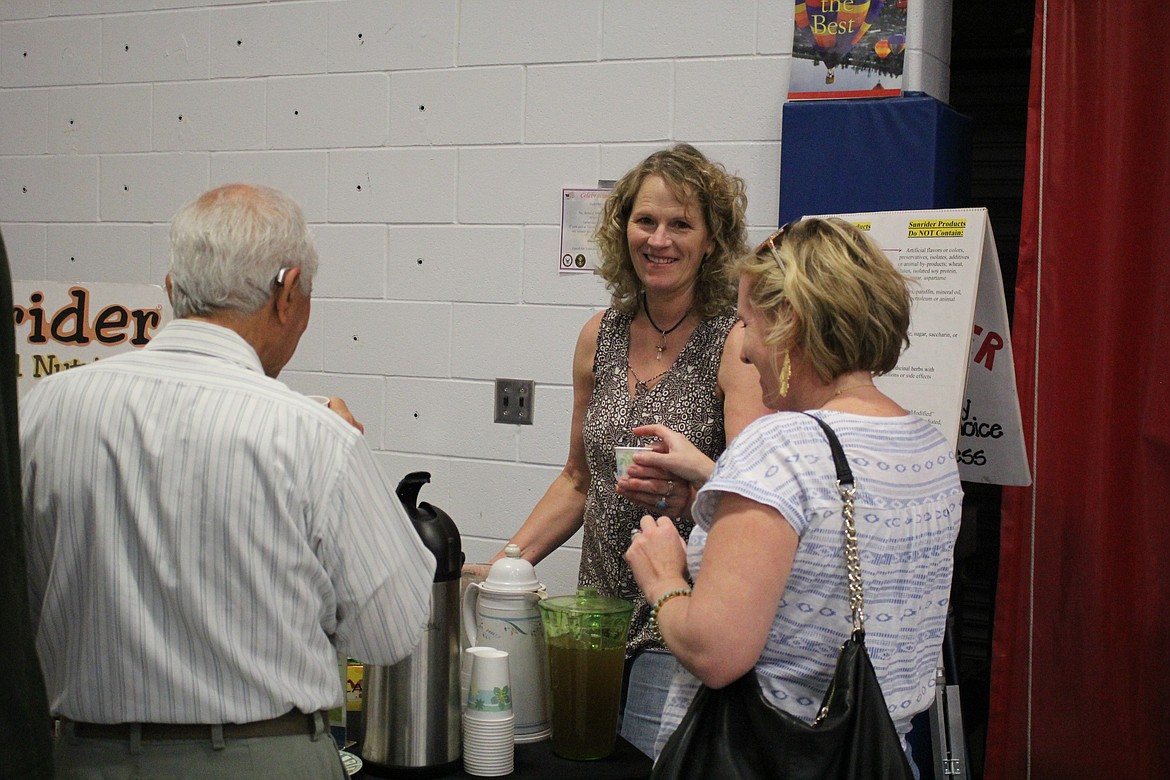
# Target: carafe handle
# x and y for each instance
(469, 601)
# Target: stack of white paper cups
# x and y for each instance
(489, 725)
(465, 672)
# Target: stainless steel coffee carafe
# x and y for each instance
(412, 710)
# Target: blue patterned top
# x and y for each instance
(908, 505)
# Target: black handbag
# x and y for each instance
(735, 733)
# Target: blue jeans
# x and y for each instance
(649, 682)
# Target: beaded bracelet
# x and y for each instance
(665, 597)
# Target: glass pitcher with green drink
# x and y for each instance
(586, 636)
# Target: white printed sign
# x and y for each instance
(580, 211)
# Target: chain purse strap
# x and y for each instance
(846, 488)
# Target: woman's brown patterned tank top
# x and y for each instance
(685, 400)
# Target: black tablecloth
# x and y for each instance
(536, 761)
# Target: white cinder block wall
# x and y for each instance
(428, 142)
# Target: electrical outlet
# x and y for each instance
(514, 399)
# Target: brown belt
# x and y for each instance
(292, 723)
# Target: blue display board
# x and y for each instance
(887, 154)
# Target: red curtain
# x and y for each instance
(1080, 672)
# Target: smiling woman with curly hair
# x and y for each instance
(662, 361)
(720, 201)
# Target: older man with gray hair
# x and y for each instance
(203, 542)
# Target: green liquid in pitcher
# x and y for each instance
(586, 687)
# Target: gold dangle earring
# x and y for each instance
(785, 375)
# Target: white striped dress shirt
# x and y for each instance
(203, 541)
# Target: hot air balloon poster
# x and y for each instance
(848, 49)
